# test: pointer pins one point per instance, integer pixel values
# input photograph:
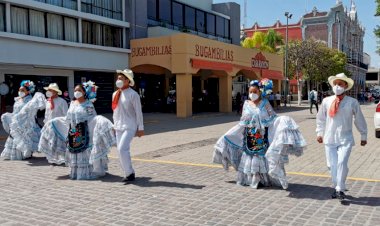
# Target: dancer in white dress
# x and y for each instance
(22, 126)
(85, 137)
(259, 145)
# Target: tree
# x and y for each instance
(264, 41)
(315, 61)
(377, 29)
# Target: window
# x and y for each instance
(226, 28)
(190, 17)
(70, 4)
(2, 17)
(71, 29)
(19, 20)
(210, 24)
(164, 10)
(36, 23)
(107, 8)
(152, 9)
(200, 21)
(177, 14)
(99, 34)
(54, 26)
(220, 26)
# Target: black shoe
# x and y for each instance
(340, 195)
(129, 178)
(334, 195)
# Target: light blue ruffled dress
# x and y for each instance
(24, 132)
(259, 145)
(93, 161)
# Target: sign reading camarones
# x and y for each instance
(151, 51)
(260, 61)
(214, 53)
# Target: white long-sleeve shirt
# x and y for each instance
(128, 114)
(338, 130)
(60, 109)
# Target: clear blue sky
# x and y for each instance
(266, 12)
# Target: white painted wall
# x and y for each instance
(60, 54)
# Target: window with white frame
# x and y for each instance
(107, 8)
(42, 24)
(101, 34)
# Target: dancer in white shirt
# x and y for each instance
(128, 119)
(334, 129)
(55, 105)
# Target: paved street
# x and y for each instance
(177, 184)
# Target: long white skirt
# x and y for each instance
(285, 139)
(89, 164)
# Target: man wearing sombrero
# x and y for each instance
(55, 106)
(127, 118)
(334, 129)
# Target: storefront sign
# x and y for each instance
(259, 61)
(151, 51)
(214, 53)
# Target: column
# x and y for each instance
(329, 34)
(8, 16)
(80, 32)
(184, 86)
(225, 94)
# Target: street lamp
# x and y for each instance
(288, 16)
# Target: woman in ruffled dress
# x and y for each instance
(84, 136)
(24, 132)
(259, 145)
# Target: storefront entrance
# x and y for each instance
(151, 89)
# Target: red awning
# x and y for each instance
(271, 74)
(211, 65)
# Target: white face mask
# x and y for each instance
(338, 90)
(21, 94)
(78, 94)
(253, 96)
(49, 94)
(119, 83)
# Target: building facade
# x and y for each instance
(338, 28)
(63, 41)
(188, 50)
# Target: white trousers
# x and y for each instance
(338, 156)
(124, 139)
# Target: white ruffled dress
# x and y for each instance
(24, 132)
(277, 137)
(92, 162)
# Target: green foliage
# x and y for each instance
(264, 41)
(377, 29)
(315, 60)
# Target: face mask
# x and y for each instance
(253, 96)
(21, 94)
(338, 90)
(119, 84)
(49, 94)
(78, 94)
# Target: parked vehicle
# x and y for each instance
(376, 119)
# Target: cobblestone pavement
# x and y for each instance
(177, 185)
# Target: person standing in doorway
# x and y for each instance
(334, 130)
(128, 119)
(313, 95)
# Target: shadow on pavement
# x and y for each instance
(146, 182)
(305, 191)
(38, 161)
(110, 178)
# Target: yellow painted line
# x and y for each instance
(151, 121)
(218, 166)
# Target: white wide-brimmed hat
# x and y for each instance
(55, 87)
(127, 73)
(342, 77)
